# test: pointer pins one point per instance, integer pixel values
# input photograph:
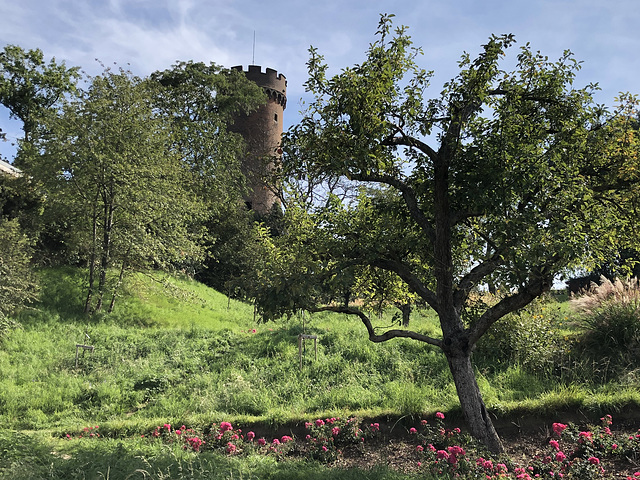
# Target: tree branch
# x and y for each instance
(409, 141)
(408, 195)
(373, 336)
(404, 272)
(476, 274)
(537, 286)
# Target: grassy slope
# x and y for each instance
(176, 351)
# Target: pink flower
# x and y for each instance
(335, 431)
(231, 448)
(456, 430)
(560, 457)
(440, 415)
(558, 428)
(585, 436)
(286, 438)
(375, 426)
(251, 436)
(554, 444)
(419, 448)
(276, 441)
(319, 422)
(607, 420)
(262, 442)
(168, 427)
(442, 454)
(225, 426)
(413, 431)
(594, 461)
(324, 448)
(423, 422)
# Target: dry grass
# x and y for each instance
(622, 292)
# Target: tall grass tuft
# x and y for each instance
(610, 323)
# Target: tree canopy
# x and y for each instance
(29, 86)
(506, 177)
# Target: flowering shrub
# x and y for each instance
(435, 434)
(571, 452)
(326, 438)
(87, 432)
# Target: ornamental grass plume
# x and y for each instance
(608, 292)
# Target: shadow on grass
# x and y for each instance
(29, 457)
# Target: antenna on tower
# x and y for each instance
(253, 58)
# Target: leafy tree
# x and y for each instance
(114, 180)
(201, 101)
(18, 285)
(30, 87)
(498, 179)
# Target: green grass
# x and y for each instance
(175, 351)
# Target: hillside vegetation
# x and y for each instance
(175, 350)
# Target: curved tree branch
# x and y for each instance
(373, 336)
(537, 286)
(408, 195)
(412, 281)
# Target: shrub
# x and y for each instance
(528, 338)
(610, 324)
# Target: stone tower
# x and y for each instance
(262, 131)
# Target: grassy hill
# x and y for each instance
(174, 351)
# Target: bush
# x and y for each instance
(610, 324)
(528, 338)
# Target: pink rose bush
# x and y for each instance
(571, 453)
(326, 438)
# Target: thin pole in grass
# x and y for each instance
(303, 336)
(83, 347)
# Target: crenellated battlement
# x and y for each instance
(272, 82)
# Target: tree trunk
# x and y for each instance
(114, 293)
(473, 409)
(92, 262)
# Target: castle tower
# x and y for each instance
(262, 131)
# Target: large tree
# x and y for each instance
(502, 178)
(201, 100)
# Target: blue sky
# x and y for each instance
(148, 35)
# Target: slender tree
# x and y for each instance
(499, 179)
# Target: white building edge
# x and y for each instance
(8, 169)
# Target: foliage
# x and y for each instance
(18, 285)
(110, 176)
(326, 438)
(500, 180)
(610, 324)
(202, 102)
(573, 451)
(529, 338)
(30, 87)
